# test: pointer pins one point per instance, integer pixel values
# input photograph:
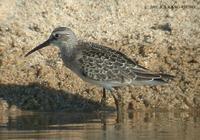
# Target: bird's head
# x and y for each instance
(61, 36)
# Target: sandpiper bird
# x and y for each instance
(100, 65)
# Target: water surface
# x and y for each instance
(93, 126)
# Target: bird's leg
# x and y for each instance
(120, 102)
(103, 99)
(115, 100)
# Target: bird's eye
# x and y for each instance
(56, 35)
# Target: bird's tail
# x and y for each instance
(166, 77)
(152, 79)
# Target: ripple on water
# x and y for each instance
(138, 125)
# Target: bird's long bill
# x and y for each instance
(46, 43)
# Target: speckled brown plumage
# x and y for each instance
(103, 64)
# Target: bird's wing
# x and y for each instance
(104, 64)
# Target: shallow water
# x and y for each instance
(92, 126)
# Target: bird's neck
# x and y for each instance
(67, 49)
